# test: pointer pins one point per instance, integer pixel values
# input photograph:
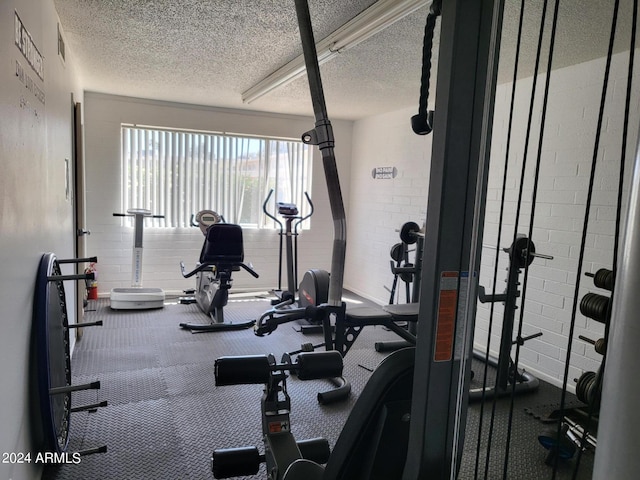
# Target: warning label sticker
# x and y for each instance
(446, 326)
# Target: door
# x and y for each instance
(80, 220)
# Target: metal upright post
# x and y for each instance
(467, 68)
(322, 136)
(618, 433)
(137, 247)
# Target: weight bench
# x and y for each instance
(389, 316)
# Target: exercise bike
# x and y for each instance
(221, 255)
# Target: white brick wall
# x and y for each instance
(564, 177)
(379, 207)
(164, 248)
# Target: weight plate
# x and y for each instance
(406, 276)
(522, 251)
(408, 233)
(603, 279)
(397, 252)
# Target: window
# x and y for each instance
(178, 173)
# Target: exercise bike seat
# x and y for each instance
(223, 245)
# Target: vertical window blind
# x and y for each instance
(178, 173)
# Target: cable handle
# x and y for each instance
(422, 123)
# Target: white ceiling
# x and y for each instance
(208, 52)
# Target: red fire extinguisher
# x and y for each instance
(92, 285)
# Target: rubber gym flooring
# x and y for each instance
(165, 415)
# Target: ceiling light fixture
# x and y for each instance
(374, 19)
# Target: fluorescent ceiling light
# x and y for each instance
(374, 19)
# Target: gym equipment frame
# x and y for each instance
(53, 356)
(222, 254)
(464, 99)
(289, 213)
(137, 297)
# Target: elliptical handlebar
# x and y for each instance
(302, 219)
(299, 218)
(266, 212)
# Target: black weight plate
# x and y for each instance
(604, 279)
(406, 276)
(595, 306)
(522, 251)
(408, 231)
(397, 252)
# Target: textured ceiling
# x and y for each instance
(208, 52)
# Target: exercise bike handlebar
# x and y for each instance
(205, 266)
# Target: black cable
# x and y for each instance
(497, 258)
(625, 130)
(585, 225)
(529, 122)
(545, 99)
(422, 123)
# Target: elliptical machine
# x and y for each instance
(290, 213)
(222, 254)
(314, 287)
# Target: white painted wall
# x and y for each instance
(566, 159)
(36, 217)
(164, 248)
(379, 207)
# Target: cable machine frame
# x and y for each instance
(459, 167)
